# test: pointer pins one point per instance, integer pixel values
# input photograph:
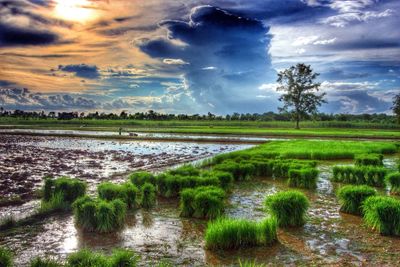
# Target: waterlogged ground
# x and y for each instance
(329, 238)
(25, 160)
(149, 135)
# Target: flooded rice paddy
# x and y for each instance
(329, 238)
(142, 135)
(25, 160)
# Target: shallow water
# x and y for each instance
(139, 134)
(25, 160)
(329, 238)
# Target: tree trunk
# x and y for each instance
(297, 121)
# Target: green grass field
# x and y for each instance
(318, 150)
(274, 128)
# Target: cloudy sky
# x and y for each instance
(186, 56)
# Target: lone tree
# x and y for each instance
(396, 107)
(299, 97)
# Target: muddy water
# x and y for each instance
(329, 238)
(139, 134)
(25, 160)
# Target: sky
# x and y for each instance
(186, 56)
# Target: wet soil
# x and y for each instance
(329, 238)
(25, 160)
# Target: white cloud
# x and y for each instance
(209, 68)
(300, 51)
(325, 42)
(174, 61)
(347, 86)
(344, 19)
(305, 40)
(268, 87)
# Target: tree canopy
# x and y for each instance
(299, 89)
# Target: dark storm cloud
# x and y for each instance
(35, 56)
(282, 11)
(5, 83)
(81, 70)
(16, 36)
(222, 50)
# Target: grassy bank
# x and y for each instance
(258, 128)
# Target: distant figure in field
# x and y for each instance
(120, 130)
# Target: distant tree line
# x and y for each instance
(299, 96)
(153, 115)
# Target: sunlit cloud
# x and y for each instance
(195, 56)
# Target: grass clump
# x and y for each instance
(240, 171)
(225, 178)
(352, 197)
(6, 258)
(148, 192)
(202, 202)
(87, 258)
(70, 188)
(142, 177)
(250, 264)
(99, 215)
(368, 175)
(382, 214)
(123, 258)
(171, 185)
(226, 233)
(60, 193)
(288, 207)
(185, 170)
(39, 262)
(303, 178)
(369, 160)
(393, 179)
(127, 192)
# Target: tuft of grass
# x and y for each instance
(127, 192)
(148, 199)
(171, 185)
(352, 197)
(142, 177)
(55, 204)
(369, 160)
(203, 202)
(382, 213)
(288, 207)
(240, 171)
(250, 264)
(60, 193)
(393, 179)
(39, 262)
(99, 215)
(226, 233)
(123, 258)
(303, 178)
(225, 178)
(87, 258)
(368, 175)
(185, 170)
(6, 258)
